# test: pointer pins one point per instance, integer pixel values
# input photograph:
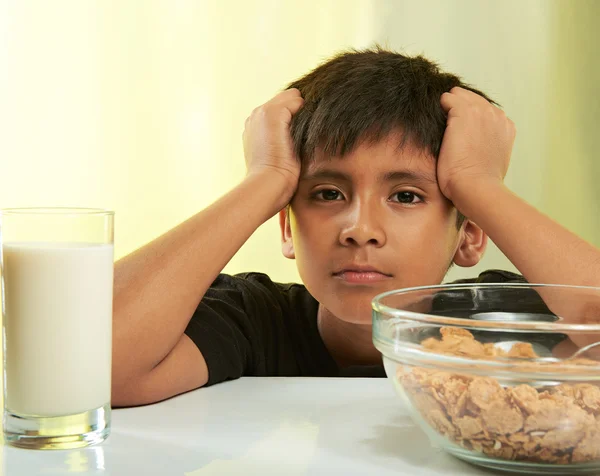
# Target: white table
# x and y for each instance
(262, 426)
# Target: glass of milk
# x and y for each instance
(57, 284)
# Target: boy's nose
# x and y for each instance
(362, 229)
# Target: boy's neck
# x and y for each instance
(349, 344)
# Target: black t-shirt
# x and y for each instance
(247, 325)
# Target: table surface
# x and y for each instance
(262, 426)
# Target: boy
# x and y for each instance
(392, 171)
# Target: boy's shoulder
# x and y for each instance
(492, 276)
(259, 287)
(259, 278)
(247, 324)
(253, 281)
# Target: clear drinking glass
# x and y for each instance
(57, 284)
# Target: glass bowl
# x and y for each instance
(490, 371)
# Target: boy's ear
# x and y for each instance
(287, 244)
(472, 245)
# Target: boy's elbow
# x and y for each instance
(183, 369)
(125, 393)
(136, 392)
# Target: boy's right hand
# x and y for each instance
(268, 147)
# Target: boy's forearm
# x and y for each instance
(158, 287)
(541, 249)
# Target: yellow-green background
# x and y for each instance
(138, 106)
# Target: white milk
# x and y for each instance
(58, 327)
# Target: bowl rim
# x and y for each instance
(537, 326)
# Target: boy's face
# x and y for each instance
(373, 221)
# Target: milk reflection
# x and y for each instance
(19, 462)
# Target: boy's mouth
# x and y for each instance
(360, 274)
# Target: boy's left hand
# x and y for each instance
(477, 143)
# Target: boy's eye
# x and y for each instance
(406, 197)
(329, 195)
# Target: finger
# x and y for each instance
(476, 99)
(294, 104)
(469, 96)
(512, 129)
(286, 95)
(457, 98)
(292, 92)
(292, 107)
(451, 101)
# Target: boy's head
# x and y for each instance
(368, 215)
(364, 95)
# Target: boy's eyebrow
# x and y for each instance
(321, 174)
(393, 176)
(408, 175)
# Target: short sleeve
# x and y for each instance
(248, 325)
(493, 276)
